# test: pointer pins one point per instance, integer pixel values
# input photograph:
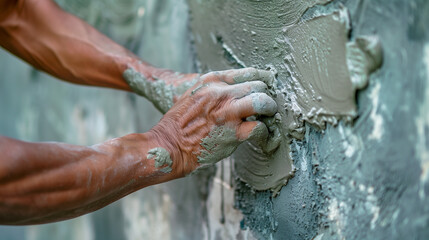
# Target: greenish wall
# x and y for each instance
(368, 180)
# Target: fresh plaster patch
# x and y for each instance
(318, 71)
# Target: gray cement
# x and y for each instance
(317, 69)
(220, 143)
(161, 157)
(158, 92)
(363, 178)
(367, 179)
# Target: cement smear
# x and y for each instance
(220, 143)
(319, 89)
(321, 86)
(157, 91)
(363, 57)
(318, 72)
(162, 158)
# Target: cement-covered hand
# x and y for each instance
(208, 122)
(162, 87)
(50, 181)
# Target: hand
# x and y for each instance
(208, 122)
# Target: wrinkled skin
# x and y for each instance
(216, 100)
(47, 182)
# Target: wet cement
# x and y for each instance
(212, 151)
(317, 76)
(162, 159)
(157, 90)
(351, 180)
(365, 181)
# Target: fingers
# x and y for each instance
(236, 91)
(248, 74)
(243, 89)
(263, 104)
(254, 130)
(242, 75)
(254, 104)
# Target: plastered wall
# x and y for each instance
(363, 180)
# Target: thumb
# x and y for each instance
(253, 130)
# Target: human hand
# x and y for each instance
(208, 122)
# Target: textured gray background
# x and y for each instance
(378, 191)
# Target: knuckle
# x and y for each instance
(263, 96)
(258, 86)
(253, 72)
(211, 76)
(250, 69)
(263, 103)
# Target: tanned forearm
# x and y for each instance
(54, 41)
(205, 119)
(45, 182)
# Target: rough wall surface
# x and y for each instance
(366, 180)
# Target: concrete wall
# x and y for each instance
(367, 180)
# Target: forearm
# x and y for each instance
(45, 182)
(56, 42)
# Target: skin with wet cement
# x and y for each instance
(246, 94)
(105, 172)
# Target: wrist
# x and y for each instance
(147, 71)
(162, 137)
(134, 154)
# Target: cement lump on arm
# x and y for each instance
(47, 182)
(162, 158)
(160, 94)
